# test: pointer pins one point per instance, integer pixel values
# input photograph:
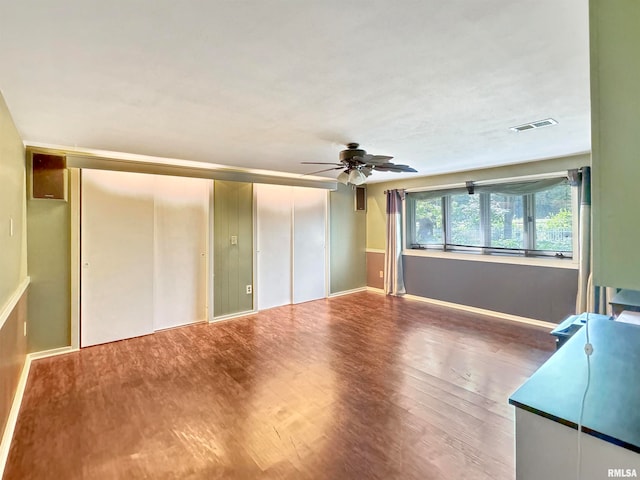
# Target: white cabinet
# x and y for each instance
(548, 450)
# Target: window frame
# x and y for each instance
(529, 225)
(412, 226)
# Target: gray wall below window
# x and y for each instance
(542, 293)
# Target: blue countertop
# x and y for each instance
(612, 406)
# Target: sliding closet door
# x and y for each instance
(309, 236)
(117, 260)
(291, 234)
(273, 245)
(180, 267)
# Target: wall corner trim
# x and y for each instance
(13, 300)
(481, 311)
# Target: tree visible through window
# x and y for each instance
(428, 222)
(464, 215)
(507, 221)
(554, 219)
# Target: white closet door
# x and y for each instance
(309, 236)
(116, 256)
(273, 245)
(180, 269)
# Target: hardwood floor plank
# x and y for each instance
(361, 386)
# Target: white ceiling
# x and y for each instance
(270, 83)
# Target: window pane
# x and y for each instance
(507, 228)
(464, 217)
(553, 222)
(428, 217)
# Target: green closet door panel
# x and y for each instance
(232, 247)
(245, 245)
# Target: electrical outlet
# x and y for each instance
(249, 290)
(381, 274)
(234, 239)
(25, 329)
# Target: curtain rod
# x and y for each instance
(399, 189)
(522, 178)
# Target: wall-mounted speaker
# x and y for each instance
(361, 198)
(48, 176)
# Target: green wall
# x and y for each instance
(376, 202)
(13, 249)
(615, 118)
(348, 261)
(49, 250)
(13, 261)
(232, 264)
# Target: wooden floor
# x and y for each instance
(355, 387)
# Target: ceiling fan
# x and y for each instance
(357, 165)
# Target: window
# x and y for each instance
(463, 220)
(507, 221)
(554, 219)
(428, 222)
(533, 218)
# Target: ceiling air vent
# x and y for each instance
(547, 122)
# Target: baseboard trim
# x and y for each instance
(51, 353)
(188, 324)
(481, 311)
(347, 292)
(13, 300)
(12, 419)
(379, 291)
(231, 316)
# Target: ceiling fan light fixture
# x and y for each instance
(356, 165)
(357, 177)
(343, 177)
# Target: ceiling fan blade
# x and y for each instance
(385, 165)
(405, 168)
(390, 167)
(325, 170)
(376, 159)
(320, 163)
(355, 158)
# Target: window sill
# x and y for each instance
(571, 264)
